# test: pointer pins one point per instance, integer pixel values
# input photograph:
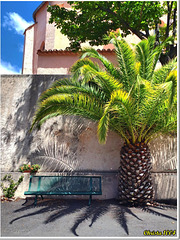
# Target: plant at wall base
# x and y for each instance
(9, 191)
(134, 99)
(29, 168)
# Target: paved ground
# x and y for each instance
(70, 218)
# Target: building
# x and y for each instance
(44, 45)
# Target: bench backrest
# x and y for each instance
(65, 183)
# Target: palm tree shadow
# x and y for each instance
(71, 207)
(152, 211)
(95, 211)
(120, 212)
(59, 208)
(92, 212)
(48, 206)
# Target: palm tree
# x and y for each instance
(134, 99)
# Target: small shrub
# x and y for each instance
(28, 167)
(11, 189)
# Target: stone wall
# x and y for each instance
(68, 143)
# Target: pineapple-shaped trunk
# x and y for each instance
(135, 184)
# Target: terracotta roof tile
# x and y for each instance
(67, 52)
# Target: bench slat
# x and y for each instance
(61, 193)
(64, 185)
(57, 184)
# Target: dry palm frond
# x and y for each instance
(57, 156)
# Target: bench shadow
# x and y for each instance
(61, 207)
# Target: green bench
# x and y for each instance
(64, 185)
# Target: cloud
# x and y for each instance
(21, 48)
(13, 21)
(7, 68)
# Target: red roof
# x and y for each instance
(67, 52)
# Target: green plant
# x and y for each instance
(28, 167)
(92, 20)
(134, 99)
(9, 191)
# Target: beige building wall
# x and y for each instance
(39, 34)
(62, 63)
(47, 36)
(60, 41)
(52, 64)
(50, 34)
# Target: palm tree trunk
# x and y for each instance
(135, 183)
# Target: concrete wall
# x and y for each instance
(68, 143)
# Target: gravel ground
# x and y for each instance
(70, 218)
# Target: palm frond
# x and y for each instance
(109, 67)
(108, 82)
(154, 112)
(68, 104)
(73, 88)
(55, 87)
(76, 68)
(126, 60)
(148, 55)
(60, 82)
(171, 82)
(103, 80)
(103, 127)
(56, 156)
(119, 108)
(145, 55)
(161, 74)
(132, 99)
(141, 88)
(167, 125)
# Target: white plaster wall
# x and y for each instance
(165, 185)
(48, 71)
(164, 153)
(13, 116)
(95, 156)
(69, 135)
(28, 51)
(19, 94)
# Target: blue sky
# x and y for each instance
(16, 16)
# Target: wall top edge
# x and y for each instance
(26, 75)
(89, 172)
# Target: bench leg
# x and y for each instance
(90, 198)
(35, 200)
(26, 200)
(42, 197)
